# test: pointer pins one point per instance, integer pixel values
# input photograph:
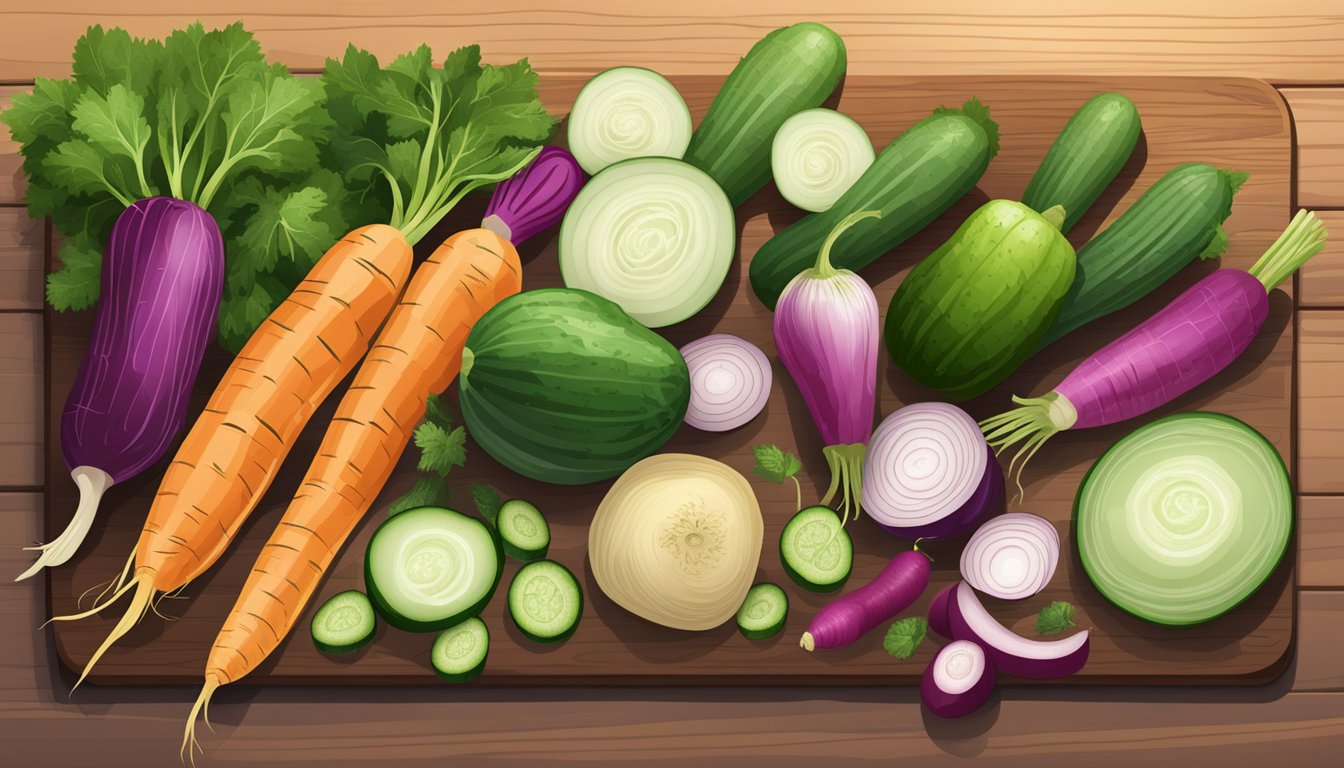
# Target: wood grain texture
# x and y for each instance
(1293, 40)
(23, 243)
(1320, 401)
(1321, 282)
(1251, 645)
(12, 184)
(1318, 114)
(21, 391)
(1320, 665)
(1320, 542)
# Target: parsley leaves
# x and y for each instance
(777, 465)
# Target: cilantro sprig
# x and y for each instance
(442, 448)
(777, 465)
(1054, 618)
(200, 116)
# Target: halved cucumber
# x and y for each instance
(429, 568)
(344, 623)
(816, 550)
(458, 654)
(545, 601)
(764, 611)
(523, 530)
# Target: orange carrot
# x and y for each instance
(233, 451)
(418, 353)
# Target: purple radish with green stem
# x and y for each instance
(826, 331)
(857, 613)
(1185, 344)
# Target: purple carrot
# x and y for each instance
(534, 198)
(1185, 344)
(850, 617)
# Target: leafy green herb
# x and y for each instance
(421, 137)
(487, 500)
(1054, 618)
(200, 116)
(777, 465)
(904, 637)
(442, 446)
(427, 492)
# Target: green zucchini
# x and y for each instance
(545, 601)
(918, 176)
(816, 550)
(1086, 156)
(344, 623)
(561, 386)
(791, 69)
(1178, 219)
(969, 314)
(459, 652)
(523, 530)
(763, 612)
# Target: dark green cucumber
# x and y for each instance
(763, 612)
(918, 176)
(791, 69)
(1086, 156)
(816, 550)
(459, 652)
(1178, 219)
(545, 601)
(344, 623)
(970, 313)
(523, 530)
(561, 386)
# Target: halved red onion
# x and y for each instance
(929, 473)
(1009, 651)
(730, 382)
(1011, 556)
(938, 611)
(958, 681)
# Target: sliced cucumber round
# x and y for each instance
(458, 654)
(627, 112)
(429, 568)
(764, 611)
(654, 235)
(523, 530)
(545, 601)
(344, 623)
(817, 155)
(816, 550)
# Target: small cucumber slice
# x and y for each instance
(816, 550)
(764, 611)
(524, 531)
(344, 623)
(458, 654)
(545, 601)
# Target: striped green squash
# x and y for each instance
(1178, 219)
(1085, 157)
(561, 386)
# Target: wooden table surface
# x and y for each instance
(1297, 720)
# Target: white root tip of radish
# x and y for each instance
(92, 483)
(807, 643)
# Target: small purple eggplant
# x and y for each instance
(163, 272)
(826, 331)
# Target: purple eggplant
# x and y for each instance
(163, 271)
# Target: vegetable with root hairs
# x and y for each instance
(1185, 344)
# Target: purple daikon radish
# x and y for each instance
(826, 331)
(1182, 346)
(163, 271)
(958, 681)
(856, 614)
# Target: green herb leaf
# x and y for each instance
(904, 637)
(487, 500)
(438, 412)
(775, 464)
(440, 449)
(75, 285)
(427, 492)
(285, 223)
(240, 313)
(1054, 618)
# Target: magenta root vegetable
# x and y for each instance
(958, 681)
(1194, 337)
(826, 331)
(850, 617)
(939, 620)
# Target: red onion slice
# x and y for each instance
(730, 382)
(929, 472)
(958, 681)
(1009, 651)
(1012, 556)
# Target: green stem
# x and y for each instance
(846, 462)
(823, 268)
(798, 491)
(1054, 216)
(1304, 238)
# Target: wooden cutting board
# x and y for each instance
(1237, 124)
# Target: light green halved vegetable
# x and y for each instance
(677, 540)
(817, 155)
(627, 112)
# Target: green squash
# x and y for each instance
(970, 313)
(561, 386)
